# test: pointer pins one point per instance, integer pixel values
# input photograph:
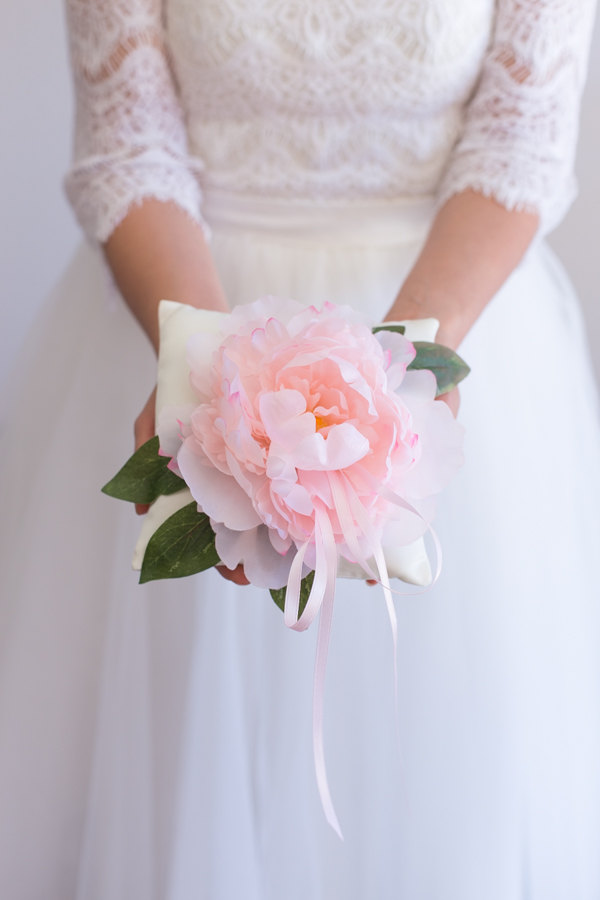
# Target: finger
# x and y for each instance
(236, 575)
(452, 400)
(143, 429)
(144, 426)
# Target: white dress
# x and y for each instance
(155, 741)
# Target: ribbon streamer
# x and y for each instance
(327, 543)
(351, 513)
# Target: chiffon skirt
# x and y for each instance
(156, 741)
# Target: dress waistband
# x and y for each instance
(357, 221)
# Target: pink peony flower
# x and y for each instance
(311, 439)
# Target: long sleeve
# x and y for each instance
(519, 136)
(130, 139)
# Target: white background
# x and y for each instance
(39, 233)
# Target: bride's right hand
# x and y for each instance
(144, 429)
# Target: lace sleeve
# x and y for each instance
(520, 131)
(130, 140)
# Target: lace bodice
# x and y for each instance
(324, 99)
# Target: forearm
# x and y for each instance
(158, 252)
(473, 246)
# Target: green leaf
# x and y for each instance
(399, 329)
(305, 586)
(447, 366)
(144, 476)
(183, 545)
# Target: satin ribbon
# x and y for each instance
(354, 522)
(320, 599)
(329, 559)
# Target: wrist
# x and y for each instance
(414, 302)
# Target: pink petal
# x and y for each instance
(440, 436)
(263, 565)
(418, 386)
(284, 417)
(168, 427)
(296, 497)
(343, 446)
(281, 468)
(218, 495)
(400, 349)
(353, 377)
(245, 317)
(280, 544)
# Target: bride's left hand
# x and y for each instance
(452, 399)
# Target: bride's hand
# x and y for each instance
(144, 429)
(236, 575)
(452, 399)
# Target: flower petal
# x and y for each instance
(343, 446)
(168, 427)
(217, 494)
(440, 436)
(284, 417)
(263, 565)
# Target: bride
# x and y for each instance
(155, 741)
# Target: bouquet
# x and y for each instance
(301, 443)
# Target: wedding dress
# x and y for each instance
(155, 741)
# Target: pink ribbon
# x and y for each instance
(320, 598)
(351, 515)
(327, 543)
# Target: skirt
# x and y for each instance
(156, 742)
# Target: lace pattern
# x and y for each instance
(520, 132)
(130, 139)
(324, 100)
